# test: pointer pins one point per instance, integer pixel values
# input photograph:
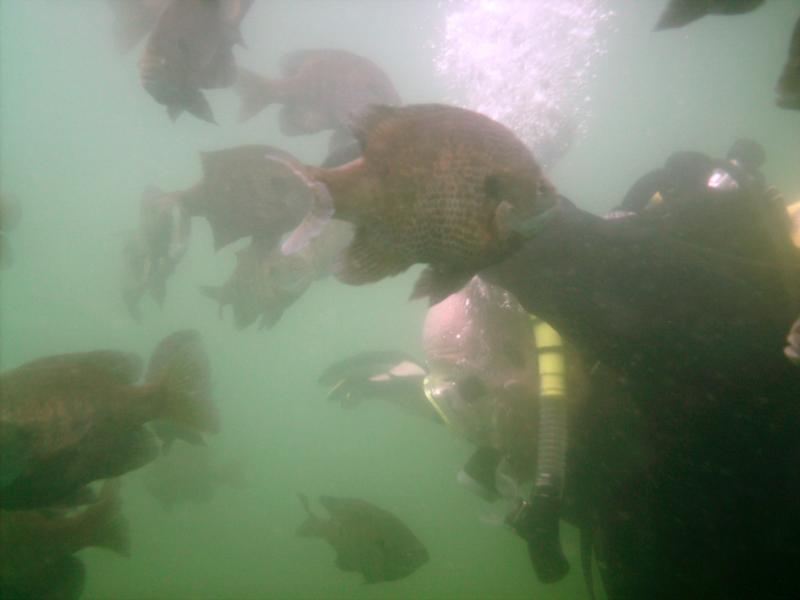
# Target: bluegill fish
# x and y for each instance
(191, 49)
(263, 285)
(154, 250)
(436, 184)
(367, 539)
(317, 90)
(243, 194)
(69, 419)
(36, 556)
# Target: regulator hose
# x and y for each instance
(537, 519)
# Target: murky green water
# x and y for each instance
(79, 141)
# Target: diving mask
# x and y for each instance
(461, 403)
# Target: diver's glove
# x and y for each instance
(536, 520)
(390, 376)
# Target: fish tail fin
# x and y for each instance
(322, 206)
(682, 12)
(310, 526)
(179, 365)
(103, 522)
(255, 93)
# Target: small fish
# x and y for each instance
(70, 419)
(367, 539)
(190, 474)
(318, 90)
(191, 49)
(436, 184)
(243, 194)
(788, 87)
(152, 253)
(10, 214)
(133, 20)
(682, 12)
(264, 284)
(36, 554)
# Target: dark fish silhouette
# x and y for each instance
(10, 214)
(264, 283)
(190, 474)
(154, 250)
(133, 20)
(789, 84)
(70, 419)
(36, 553)
(682, 12)
(367, 539)
(437, 184)
(317, 90)
(191, 49)
(243, 194)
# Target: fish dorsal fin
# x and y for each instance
(369, 258)
(367, 121)
(682, 12)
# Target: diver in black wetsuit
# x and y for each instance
(694, 339)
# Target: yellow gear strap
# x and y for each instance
(794, 215)
(426, 386)
(550, 350)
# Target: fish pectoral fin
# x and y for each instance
(197, 105)
(369, 258)
(174, 111)
(437, 285)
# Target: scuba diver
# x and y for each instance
(723, 204)
(691, 343)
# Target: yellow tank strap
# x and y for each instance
(552, 367)
(429, 395)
